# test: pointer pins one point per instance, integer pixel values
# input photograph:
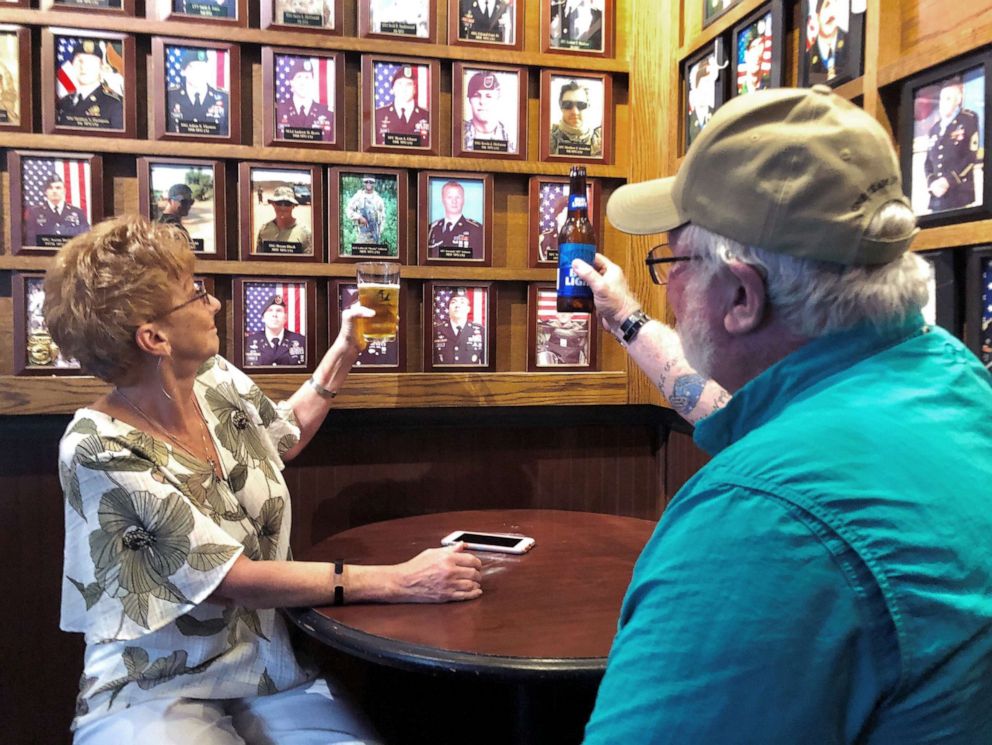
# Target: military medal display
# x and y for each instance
(366, 205)
(944, 141)
(455, 217)
(86, 79)
(304, 95)
(35, 353)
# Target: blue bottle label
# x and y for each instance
(577, 201)
(569, 284)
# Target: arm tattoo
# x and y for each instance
(720, 401)
(686, 392)
(664, 376)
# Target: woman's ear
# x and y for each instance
(747, 299)
(150, 338)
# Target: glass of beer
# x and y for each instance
(379, 289)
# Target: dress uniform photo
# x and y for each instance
(54, 221)
(457, 341)
(486, 20)
(402, 123)
(275, 345)
(195, 106)
(454, 236)
(93, 104)
(952, 151)
(301, 116)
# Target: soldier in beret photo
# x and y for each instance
(454, 236)
(276, 344)
(484, 130)
(194, 106)
(399, 121)
(457, 340)
(299, 115)
(54, 221)
(89, 101)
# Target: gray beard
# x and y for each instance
(697, 338)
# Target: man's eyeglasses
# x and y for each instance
(580, 105)
(660, 266)
(201, 295)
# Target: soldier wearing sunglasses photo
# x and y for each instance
(574, 134)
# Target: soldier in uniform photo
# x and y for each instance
(572, 135)
(952, 151)
(284, 234)
(548, 242)
(701, 95)
(175, 206)
(196, 107)
(368, 211)
(302, 111)
(93, 104)
(752, 73)
(276, 345)
(456, 340)
(485, 20)
(582, 25)
(484, 124)
(454, 236)
(55, 220)
(402, 122)
(563, 339)
(827, 50)
(10, 84)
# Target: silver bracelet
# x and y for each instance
(321, 390)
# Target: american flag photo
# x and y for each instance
(478, 298)
(986, 332)
(110, 50)
(562, 339)
(383, 83)
(377, 353)
(551, 212)
(323, 77)
(758, 33)
(217, 59)
(257, 296)
(75, 173)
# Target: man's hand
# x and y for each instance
(439, 575)
(939, 187)
(613, 298)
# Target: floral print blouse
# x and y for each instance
(150, 534)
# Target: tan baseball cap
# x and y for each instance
(800, 171)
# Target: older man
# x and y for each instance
(826, 577)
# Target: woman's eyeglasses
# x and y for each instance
(661, 266)
(201, 295)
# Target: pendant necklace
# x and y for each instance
(217, 470)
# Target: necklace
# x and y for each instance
(207, 450)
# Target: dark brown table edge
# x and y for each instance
(422, 658)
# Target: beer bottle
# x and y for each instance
(576, 240)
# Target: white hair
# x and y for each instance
(813, 298)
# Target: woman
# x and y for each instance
(177, 516)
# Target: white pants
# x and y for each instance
(310, 714)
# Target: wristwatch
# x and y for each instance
(630, 328)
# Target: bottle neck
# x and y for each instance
(577, 203)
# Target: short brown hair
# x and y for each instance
(106, 283)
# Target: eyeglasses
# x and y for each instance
(202, 295)
(580, 105)
(661, 266)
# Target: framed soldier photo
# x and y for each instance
(274, 324)
(942, 291)
(943, 141)
(756, 53)
(557, 341)
(399, 104)
(704, 89)
(978, 308)
(486, 23)
(202, 100)
(406, 20)
(547, 198)
(367, 214)
(87, 83)
(575, 116)
(713, 9)
(379, 355)
(489, 111)
(454, 218)
(831, 41)
(109, 7)
(227, 12)
(304, 98)
(15, 79)
(459, 326)
(35, 353)
(17, 3)
(281, 212)
(189, 194)
(301, 15)
(577, 27)
(53, 197)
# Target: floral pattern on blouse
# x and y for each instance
(150, 534)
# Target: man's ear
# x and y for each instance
(746, 299)
(150, 339)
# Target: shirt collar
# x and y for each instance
(760, 400)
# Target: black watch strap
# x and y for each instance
(633, 324)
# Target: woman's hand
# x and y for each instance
(439, 575)
(350, 334)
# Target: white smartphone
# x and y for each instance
(506, 543)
